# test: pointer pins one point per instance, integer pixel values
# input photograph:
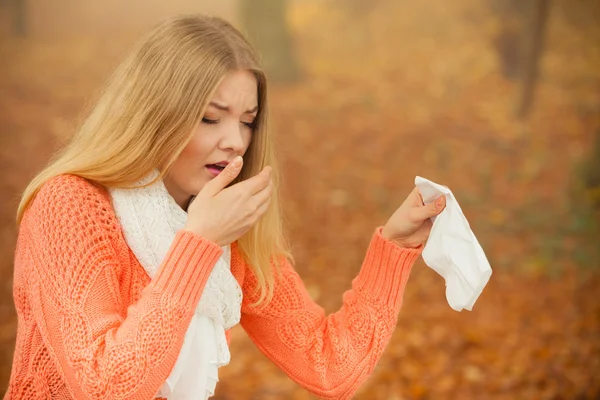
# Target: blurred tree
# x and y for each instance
(512, 15)
(19, 17)
(533, 46)
(266, 25)
(520, 43)
(592, 173)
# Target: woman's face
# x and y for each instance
(224, 133)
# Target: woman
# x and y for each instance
(149, 237)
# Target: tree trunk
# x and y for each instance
(513, 17)
(266, 26)
(19, 17)
(534, 43)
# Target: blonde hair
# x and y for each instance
(147, 113)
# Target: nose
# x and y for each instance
(233, 139)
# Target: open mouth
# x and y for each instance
(216, 169)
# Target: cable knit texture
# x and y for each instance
(93, 325)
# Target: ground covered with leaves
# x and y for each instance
(391, 91)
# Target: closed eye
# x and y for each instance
(250, 125)
(210, 121)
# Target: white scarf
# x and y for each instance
(150, 219)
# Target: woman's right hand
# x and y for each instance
(223, 214)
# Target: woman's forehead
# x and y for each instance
(238, 90)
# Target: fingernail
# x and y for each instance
(236, 161)
(440, 202)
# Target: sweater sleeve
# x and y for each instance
(102, 349)
(331, 356)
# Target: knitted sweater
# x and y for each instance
(93, 325)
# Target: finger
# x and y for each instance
(427, 225)
(256, 183)
(264, 195)
(421, 213)
(262, 209)
(414, 198)
(420, 196)
(424, 231)
(220, 182)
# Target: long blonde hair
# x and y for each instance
(147, 113)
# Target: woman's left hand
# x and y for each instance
(410, 225)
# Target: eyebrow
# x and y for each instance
(225, 108)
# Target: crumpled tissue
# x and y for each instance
(452, 249)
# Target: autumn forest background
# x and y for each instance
(497, 99)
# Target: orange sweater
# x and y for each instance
(92, 325)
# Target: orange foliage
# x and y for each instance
(389, 92)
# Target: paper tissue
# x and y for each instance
(452, 249)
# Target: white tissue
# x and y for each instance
(452, 249)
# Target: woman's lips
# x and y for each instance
(215, 169)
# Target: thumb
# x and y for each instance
(431, 210)
(229, 173)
